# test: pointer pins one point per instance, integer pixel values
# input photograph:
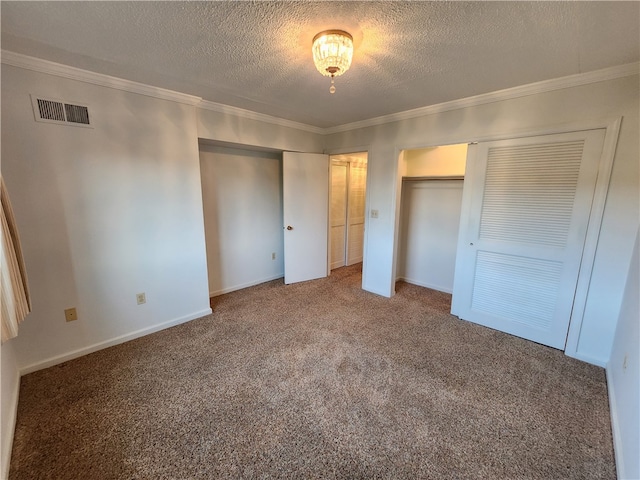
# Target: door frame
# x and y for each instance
(611, 125)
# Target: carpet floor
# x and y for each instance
(318, 380)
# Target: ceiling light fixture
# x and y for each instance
(332, 53)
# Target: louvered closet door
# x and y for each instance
(523, 225)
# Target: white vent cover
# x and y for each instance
(61, 112)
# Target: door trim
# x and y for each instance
(591, 239)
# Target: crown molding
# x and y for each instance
(73, 73)
(261, 117)
(500, 95)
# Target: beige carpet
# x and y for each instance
(318, 380)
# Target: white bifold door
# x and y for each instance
(305, 192)
(338, 213)
(346, 213)
(526, 208)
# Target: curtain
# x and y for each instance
(15, 301)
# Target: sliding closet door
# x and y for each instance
(525, 213)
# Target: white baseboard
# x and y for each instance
(245, 285)
(615, 427)
(586, 358)
(109, 343)
(7, 436)
(439, 288)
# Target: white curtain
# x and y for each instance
(16, 303)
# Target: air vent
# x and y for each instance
(76, 113)
(57, 111)
(50, 110)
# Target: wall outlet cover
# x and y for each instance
(70, 314)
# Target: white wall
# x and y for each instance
(571, 105)
(623, 377)
(430, 216)
(445, 160)
(430, 219)
(242, 196)
(247, 132)
(104, 213)
(9, 397)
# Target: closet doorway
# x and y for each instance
(430, 208)
(347, 208)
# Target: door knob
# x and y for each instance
(289, 227)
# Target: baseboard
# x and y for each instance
(586, 358)
(615, 428)
(7, 436)
(245, 285)
(109, 343)
(387, 294)
(439, 288)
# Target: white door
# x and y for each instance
(526, 207)
(356, 212)
(305, 189)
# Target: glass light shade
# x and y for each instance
(332, 52)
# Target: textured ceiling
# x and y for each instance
(257, 55)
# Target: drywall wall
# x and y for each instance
(430, 215)
(9, 389)
(576, 106)
(242, 199)
(104, 213)
(242, 132)
(623, 377)
(436, 161)
(428, 239)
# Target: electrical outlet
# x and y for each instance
(70, 314)
(141, 298)
(273, 256)
(374, 213)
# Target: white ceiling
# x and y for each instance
(257, 55)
